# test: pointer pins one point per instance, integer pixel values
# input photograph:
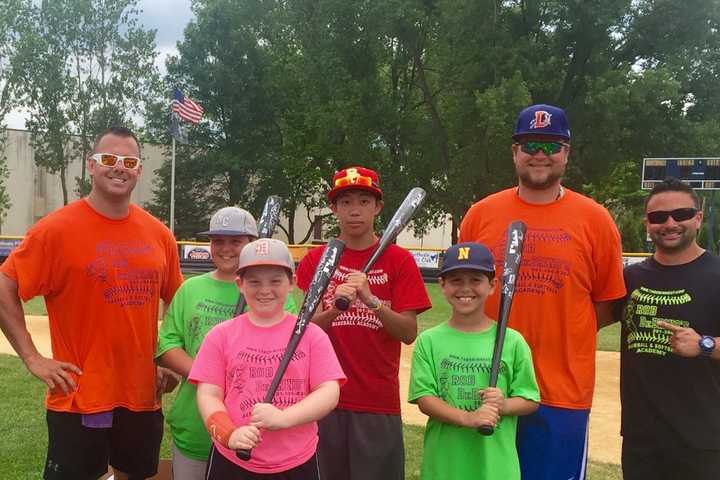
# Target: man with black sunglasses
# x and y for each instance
(103, 265)
(571, 273)
(670, 368)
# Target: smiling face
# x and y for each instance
(355, 211)
(225, 251)
(540, 171)
(672, 236)
(265, 288)
(466, 291)
(114, 182)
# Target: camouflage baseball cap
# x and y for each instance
(232, 221)
(266, 251)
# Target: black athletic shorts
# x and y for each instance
(76, 452)
(220, 468)
(667, 459)
(361, 446)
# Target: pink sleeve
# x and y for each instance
(408, 288)
(324, 365)
(209, 365)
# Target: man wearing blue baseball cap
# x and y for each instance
(571, 273)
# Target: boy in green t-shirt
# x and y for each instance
(200, 303)
(451, 371)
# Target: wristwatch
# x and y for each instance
(707, 345)
(374, 303)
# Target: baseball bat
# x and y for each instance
(319, 284)
(269, 219)
(398, 222)
(511, 266)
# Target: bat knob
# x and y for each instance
(243, 454)
(486, 430)
(342, 303)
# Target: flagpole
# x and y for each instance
(172, 188)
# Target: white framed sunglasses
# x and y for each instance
(112, 160)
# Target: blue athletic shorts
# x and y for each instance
(552, 444)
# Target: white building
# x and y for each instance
(34, 192)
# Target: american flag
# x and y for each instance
(186, 108)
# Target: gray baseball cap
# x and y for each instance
(232, 221)
(266, 251)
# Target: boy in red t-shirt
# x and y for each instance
(362, 438)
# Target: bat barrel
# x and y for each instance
(513, 255)
(318, 285)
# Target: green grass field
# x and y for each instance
(23, 435)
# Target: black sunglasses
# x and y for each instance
(679, 215)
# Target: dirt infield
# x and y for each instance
(604, 421)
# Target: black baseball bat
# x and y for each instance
(319, 284)
(398, 222)
(511, 266)
(269, 219)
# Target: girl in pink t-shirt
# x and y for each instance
(235, 366)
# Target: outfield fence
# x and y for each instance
(195, 256)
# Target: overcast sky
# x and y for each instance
(167, 17)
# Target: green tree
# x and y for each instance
(427, 93)
(9, 25)
(84, 65)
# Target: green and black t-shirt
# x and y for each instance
(664, 394)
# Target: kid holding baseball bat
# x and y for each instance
(236, 364)
(200, 303)
(450, 374)
(362, 438)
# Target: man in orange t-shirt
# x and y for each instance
(102, 265)
(570, 274)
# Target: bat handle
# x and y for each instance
(243, 454)
(486, 430)
(342, 303)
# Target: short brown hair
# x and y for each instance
(123, 132)
(672, 184)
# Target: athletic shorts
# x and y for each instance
(186, 468)
(220, 468)
(552, 444)
(667, 459)
(361, 446)
(131, 445)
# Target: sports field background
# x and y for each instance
(23, 436)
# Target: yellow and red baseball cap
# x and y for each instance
(355, 178)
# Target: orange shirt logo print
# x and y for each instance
(546, 265)
(123, 282)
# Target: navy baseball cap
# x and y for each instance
(468, 256)
(542, 119)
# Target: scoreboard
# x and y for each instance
(699, 173)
